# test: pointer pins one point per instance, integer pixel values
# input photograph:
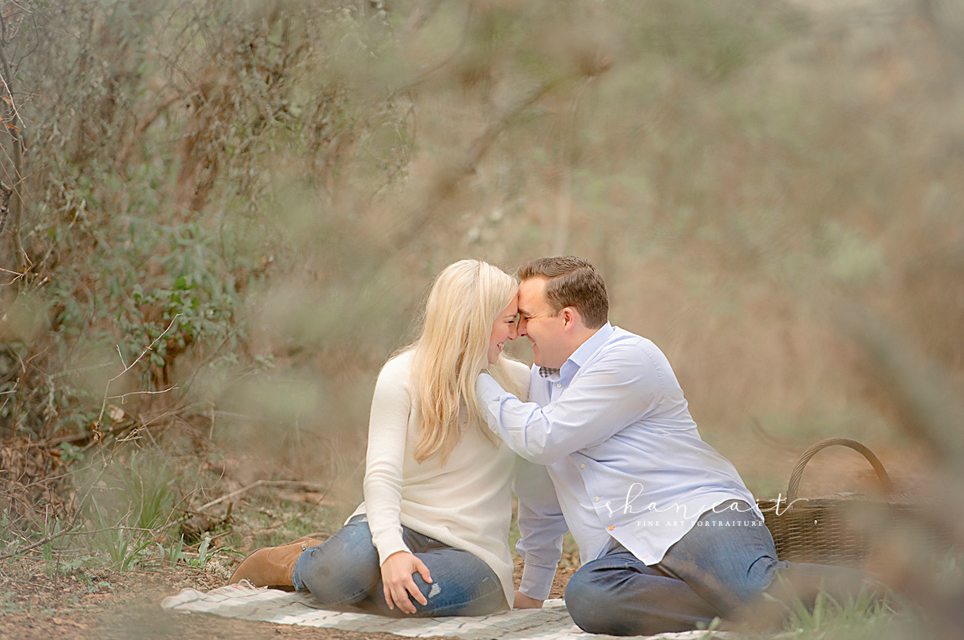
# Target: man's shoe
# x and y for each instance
(272, 566)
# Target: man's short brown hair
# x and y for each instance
(572, 282)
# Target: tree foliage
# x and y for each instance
(225, 212)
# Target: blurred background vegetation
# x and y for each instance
(226, 213)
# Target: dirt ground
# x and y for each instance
(90, 604)
(122, 606)
(38, 603)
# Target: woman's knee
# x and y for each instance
(465, 600)
(342, 570)
(462, 584)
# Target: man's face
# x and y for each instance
(543, 327)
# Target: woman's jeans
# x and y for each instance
(720, 568)
(344, 570)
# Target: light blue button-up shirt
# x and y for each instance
(624, 455)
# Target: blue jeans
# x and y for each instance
(344, 570)
(720, 568)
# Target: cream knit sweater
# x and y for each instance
(466, 504)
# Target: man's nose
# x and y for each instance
(521, 328)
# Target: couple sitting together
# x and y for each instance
(595, 439)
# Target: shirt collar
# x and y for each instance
(586, 350)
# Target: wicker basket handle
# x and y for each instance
(797, 474)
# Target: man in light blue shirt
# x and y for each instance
(669, 536)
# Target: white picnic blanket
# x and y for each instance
(552, 622)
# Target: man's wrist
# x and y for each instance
(522, 601)
(483, 383)
(485, 389)
(537, 581)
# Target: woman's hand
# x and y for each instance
(397, 572)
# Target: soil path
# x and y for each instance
(40, 606)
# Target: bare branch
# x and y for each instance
(294, 484)
(123, 397)
(127, 368)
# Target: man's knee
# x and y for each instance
(586, 605)
(629, 599)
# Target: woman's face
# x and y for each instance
(503, 329)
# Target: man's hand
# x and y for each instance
(522, 601)
(397, 572)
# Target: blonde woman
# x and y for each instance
(431, 538)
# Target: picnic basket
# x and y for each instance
(837, 529)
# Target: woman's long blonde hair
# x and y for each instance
(462, 306)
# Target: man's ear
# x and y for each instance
(569, 317)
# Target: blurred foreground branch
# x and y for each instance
(930, 410)
(449, 179)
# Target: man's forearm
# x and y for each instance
(541, 527)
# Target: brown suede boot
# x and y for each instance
(272, 566)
